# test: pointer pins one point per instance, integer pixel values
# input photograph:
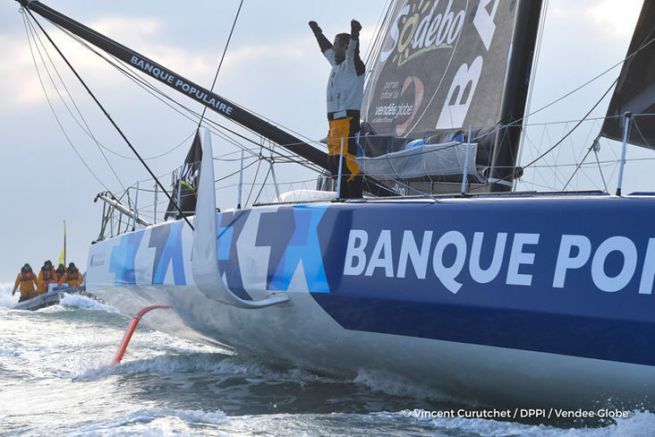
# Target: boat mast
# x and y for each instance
(505, 152)
(179, 83)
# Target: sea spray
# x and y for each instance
(397, 385)
(156, 421)
(6, 299)
(84, 302)
(49, 364)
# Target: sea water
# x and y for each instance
(55, 380)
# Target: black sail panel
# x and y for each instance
(187, 183)
(635, 89)
(442, 67)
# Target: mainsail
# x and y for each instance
(442, 67)
(635, 89)
(185, 187)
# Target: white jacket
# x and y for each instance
(345, 87)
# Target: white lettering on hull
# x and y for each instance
(407, 254)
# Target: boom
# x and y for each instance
(179, 83)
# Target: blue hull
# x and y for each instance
(568, 276)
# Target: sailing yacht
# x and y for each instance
(478, 293)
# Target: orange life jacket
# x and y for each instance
(46, 277)
(25, 282)
(73, 280)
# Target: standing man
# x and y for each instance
(345, 91)
(25, 283)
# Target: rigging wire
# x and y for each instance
(89, 133)
(111, 120)
(641, 134)
(525, 117)
(220, 126)
(533, 69)
(38, 42)
(600, 169)
(515, 122)
(376, 44)
(54, 113)
(227, 44)
(149, 88)
(621, 62)
(146, 84)
(153, 91)
(584, 158)
(263, 183)
(236, 172)
(574, 127)
(161, 96)
(254, 181)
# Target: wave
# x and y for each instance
(9, 348)
(6, 299)
(156, 421)
(69, 300)
(638, 423)
(396, 385)
(215, 364)
(178, 364)
(86, 303)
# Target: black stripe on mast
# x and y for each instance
(506, 147)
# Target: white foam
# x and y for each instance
(639, 423)
(155, 421)
(9, 348)
(6, 299)
(214, 363)
(385, 382)
(176, 364)
(83, 302)
(495, 428)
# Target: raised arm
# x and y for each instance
(323, 43)
(352, 52)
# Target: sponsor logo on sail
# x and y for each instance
(437, 59)
(420, 28)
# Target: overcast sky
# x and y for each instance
(273, 67)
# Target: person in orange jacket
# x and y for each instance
(47, 276)
(73, 277)
(61, 271)
(25, 283)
